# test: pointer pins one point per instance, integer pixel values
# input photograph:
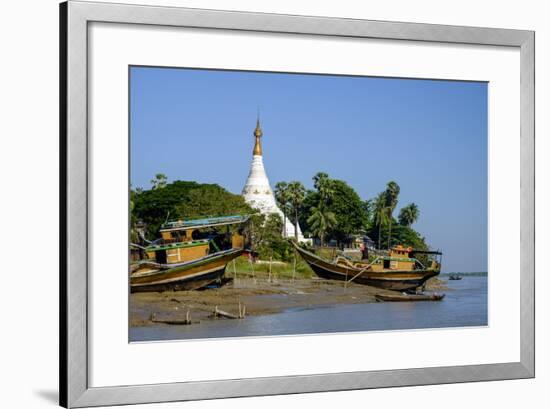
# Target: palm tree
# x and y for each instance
(320, 222)
(282, 197)
(324, 186)
(380, 213)
(392, 194)
(296, 196)
(133, 232)
(319, 178)
(159, 181)
(408, 214)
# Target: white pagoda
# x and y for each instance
(257, 191)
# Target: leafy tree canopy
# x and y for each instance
(400, 234)
(267, 239)
(184, 200)
(408, 214)
(346, 206)
(348, 209)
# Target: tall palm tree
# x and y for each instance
(282, 197)
(408, 214)
(380, 213)
(324, 186)
(320, 222)
(319, 178)
(296, 196)
(159, 181)
(392, 194)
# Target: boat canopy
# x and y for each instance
(427, 252)
(203, 223)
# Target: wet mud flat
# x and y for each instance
(249, 296)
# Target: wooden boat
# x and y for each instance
(186, 258)
(409, 297)
(398, 271)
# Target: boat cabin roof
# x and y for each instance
(399, 249)
(437, 252)
(397, 258)
(203, 223)
(170, 246)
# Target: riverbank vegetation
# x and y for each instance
(334, 212)
(330, 213)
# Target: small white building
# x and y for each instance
(258, 193)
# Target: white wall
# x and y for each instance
(29, 171)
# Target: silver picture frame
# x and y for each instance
(75, 16)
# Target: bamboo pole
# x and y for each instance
(294, 268)
(346, 280)
(252, 269)
(269, 275)
(225, 314)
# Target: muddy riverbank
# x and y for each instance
(258, 295)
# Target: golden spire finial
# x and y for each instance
(258, 134)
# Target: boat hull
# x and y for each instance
(409, 297)
(192, 275)
(389, 280)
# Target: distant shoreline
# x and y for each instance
(472, 274)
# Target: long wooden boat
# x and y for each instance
(182, 261)
(399, 297)
(189, 275)
(398, 271)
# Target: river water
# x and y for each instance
(465, 304)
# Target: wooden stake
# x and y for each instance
(225, 314)
(252, 268)
(294, 268)
(270, 261)
(346, 280)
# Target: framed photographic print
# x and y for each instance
(258, 204)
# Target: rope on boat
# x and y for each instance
(138, 246)
(363, 270)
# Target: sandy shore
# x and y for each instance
(259, 296)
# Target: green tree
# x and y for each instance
(210, 201)
(282, 197)
(270, 242)
(296, 195)
(311, 200)
(324, 186)
(337, 197)
(184, 200)
(320, 222)
(404, 235)
(347, 207)
(368, 209)
(159, 181)
(392, 195)
(408, 214)
(134, 238)
(265, 238)
(380, 210)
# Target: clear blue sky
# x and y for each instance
(428, 136)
